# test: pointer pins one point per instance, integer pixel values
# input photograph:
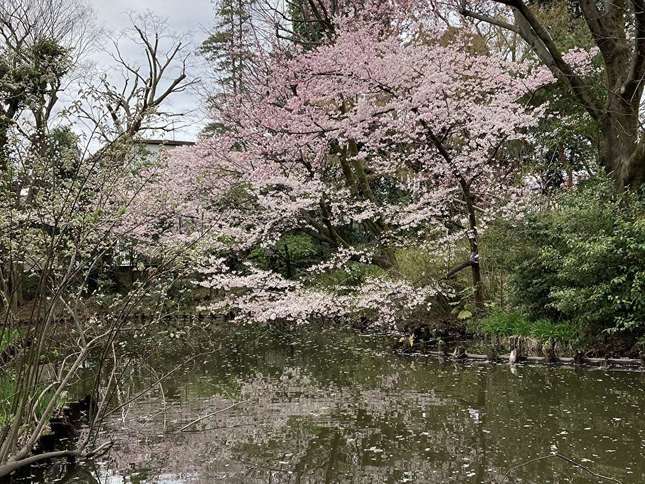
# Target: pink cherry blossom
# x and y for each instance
(321, 143)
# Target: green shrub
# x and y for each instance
(424, 265)
(421, 266)
(298, 246)
(582, 260)
(515, 323)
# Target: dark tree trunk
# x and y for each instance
(473, 240)
(620, 152)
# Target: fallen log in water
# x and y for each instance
(14, 466)
(568, 361)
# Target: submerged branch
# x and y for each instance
(564, 458)
(7, 469)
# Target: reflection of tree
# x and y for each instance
(367, 432)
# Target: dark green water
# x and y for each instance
(328, 406)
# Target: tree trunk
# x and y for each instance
(477, 277)
(633, 168)
(621, 154)
(473, 240)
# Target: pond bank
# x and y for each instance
(475, 343)
(578, 360)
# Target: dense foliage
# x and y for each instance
(580, 259)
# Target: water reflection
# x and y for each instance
(328, 406)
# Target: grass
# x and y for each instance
(8, 337)
(8, 394)
(514, 323)
(7, 390)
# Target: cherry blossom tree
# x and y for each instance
(381, 135)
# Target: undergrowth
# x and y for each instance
(502, 323)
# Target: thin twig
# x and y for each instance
(197, 420)
(154, 384)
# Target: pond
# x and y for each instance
(332, 406)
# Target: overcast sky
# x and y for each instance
(189, 18)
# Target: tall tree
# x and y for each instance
(40, 42)
(618, 30)
(229, 47)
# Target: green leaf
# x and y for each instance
(464, 314)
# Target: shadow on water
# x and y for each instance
(332, 406)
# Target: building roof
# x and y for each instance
(165, 142)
